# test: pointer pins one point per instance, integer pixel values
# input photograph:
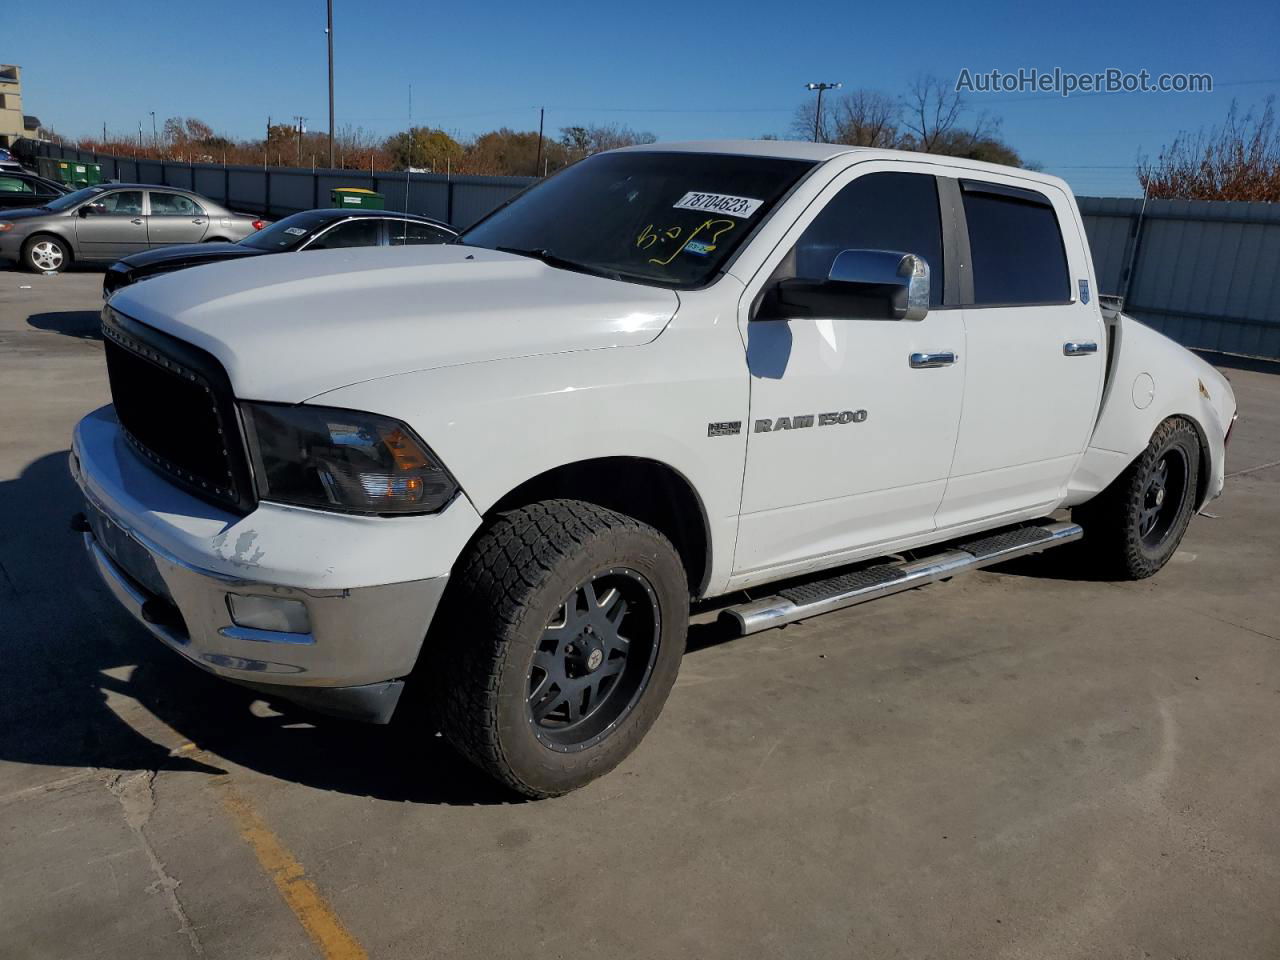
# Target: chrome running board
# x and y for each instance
(870, 583)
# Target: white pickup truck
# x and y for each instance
(498, 471)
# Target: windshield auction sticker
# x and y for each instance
(740, 207)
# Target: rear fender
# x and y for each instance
(1150, 379)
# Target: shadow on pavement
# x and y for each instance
(68, 651)
(81, 324)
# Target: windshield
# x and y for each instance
(287, 233)
(67, 201)
(666, 218)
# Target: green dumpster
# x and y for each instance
(71, 172)
(359, 198)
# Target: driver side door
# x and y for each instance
(850, 437)
(116, 229)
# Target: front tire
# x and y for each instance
(46, 254)
(566, 625)
(1133, 527)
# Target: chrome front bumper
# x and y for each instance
(361, 643)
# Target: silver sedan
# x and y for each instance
(106, 222)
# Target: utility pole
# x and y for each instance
(139, 136)
(329, 32)
(817, 116)
(104, 131)
(542, 112)
(155, 138)
(301, 120)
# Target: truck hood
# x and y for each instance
(289, 328)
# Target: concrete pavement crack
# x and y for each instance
(136, 793)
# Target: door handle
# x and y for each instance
(197, 221)
(923, 361)
(137, 220)
(1073, 348)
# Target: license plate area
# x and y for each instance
(129, 555)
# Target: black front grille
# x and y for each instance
(175, 405)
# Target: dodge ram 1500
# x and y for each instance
(498, 471)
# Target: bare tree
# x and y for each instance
(583, 141)
(931, 110)
(866, 118)
(802, 123)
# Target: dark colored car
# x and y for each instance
(21, 189)
(9, 163)
(309, 230)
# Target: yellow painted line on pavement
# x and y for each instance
(312, 910)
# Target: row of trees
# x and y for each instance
(1239, 160)
(502, 152)
(931, 117)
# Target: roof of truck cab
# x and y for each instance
(822, 152)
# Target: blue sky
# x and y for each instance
(680, 70)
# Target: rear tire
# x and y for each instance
(45, 253)
(1133, 527)
(565, 627)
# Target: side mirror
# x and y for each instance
(92, 209)
(862, 284)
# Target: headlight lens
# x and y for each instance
(343, 460)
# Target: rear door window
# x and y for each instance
(1015, 244)
(406, 232)
(173, 205)
(14, 185)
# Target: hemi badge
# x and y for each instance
(725, 428)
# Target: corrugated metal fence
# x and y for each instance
(1204, 273)
(280, 191)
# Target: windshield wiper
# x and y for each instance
(554, 260)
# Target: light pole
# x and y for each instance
(155, 139)
(329, 31)
(817, 116)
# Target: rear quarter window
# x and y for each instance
(1016, 248)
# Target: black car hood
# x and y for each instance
(188, 254)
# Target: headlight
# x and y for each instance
(5, 226)
(343, 460)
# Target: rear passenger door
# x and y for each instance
(1030, 399)
(175, 218)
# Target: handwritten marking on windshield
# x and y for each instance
(704, 238)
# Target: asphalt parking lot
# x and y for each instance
(1021, 763)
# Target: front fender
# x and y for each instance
(500, 423)
(1151, 378)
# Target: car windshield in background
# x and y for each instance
(287, 233)
(67, 201)
(667, 218)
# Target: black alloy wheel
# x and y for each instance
(1162, 498)
(594, 659)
